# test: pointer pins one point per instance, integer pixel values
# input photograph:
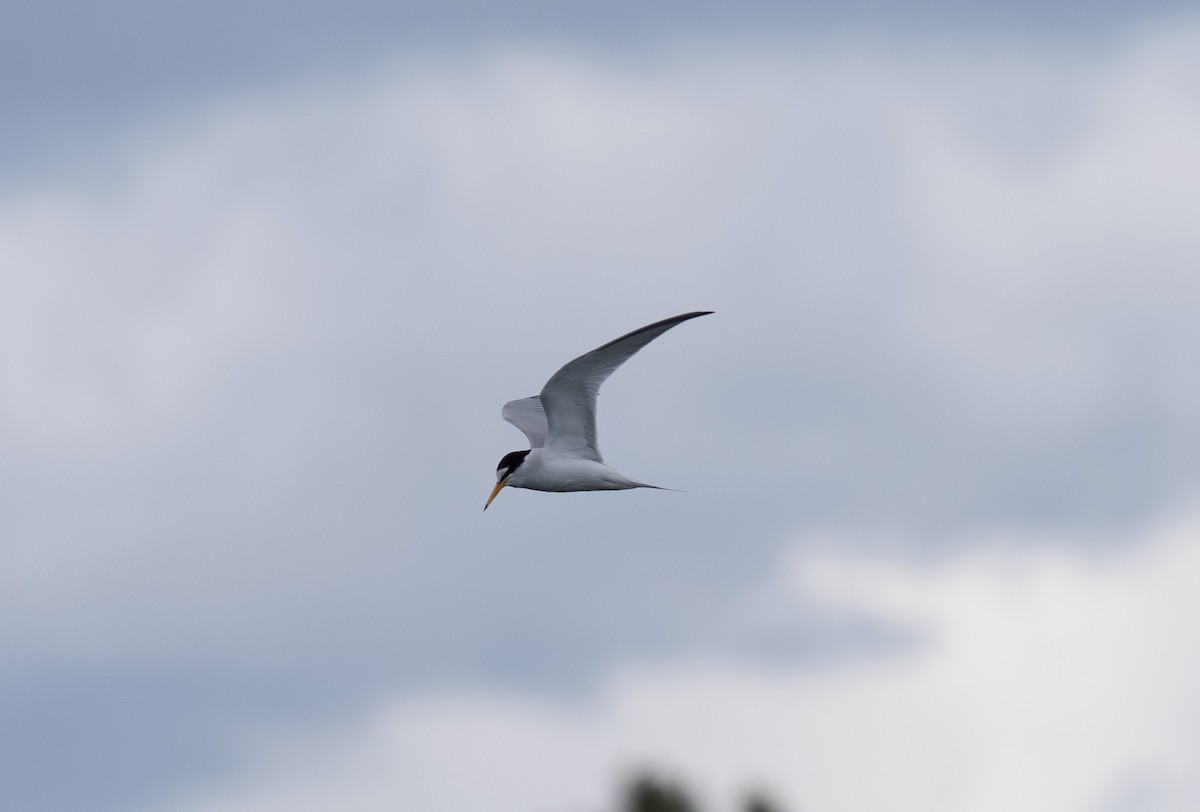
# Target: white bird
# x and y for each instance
(561, 422)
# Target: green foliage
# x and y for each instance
(649, 794)
(759, 803)
(646, 793)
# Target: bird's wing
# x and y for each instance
(527, 415)
(569, 397)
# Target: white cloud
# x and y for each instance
(1067, 674)
(1053, 679)
(1050, 269)
(123, 313)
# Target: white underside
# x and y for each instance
(554, 472)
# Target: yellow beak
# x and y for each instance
(495, 491)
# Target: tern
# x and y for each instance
(561, 422)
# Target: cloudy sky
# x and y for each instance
(268, 278)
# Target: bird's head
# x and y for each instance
(509, 463)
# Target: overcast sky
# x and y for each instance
(267, 281)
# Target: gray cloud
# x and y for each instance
(254, 366)
(80, 72)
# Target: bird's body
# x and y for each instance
(561, 422)
(559, 473)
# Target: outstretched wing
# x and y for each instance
(527, 415)
(569, 397)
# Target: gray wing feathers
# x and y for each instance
(569, 397)
(527, 415)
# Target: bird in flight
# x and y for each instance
(561, 422)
